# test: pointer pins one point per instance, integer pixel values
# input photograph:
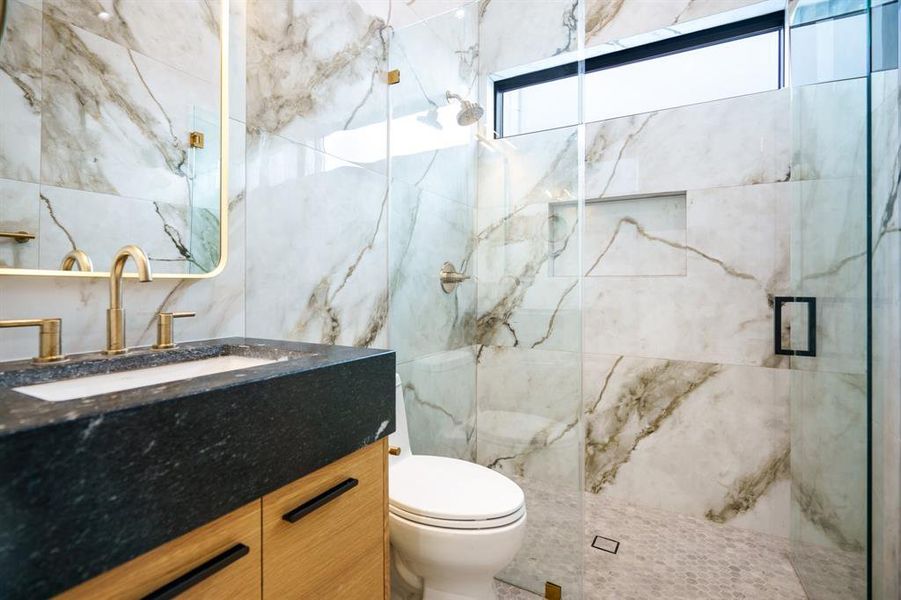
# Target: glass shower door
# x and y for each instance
(824, 320)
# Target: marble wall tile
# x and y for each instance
(611, 20)
(439, 392)
(21, 93)
(131, 113)
(405, 13)
(646, 419)
(528, 414)
(316, 76)
(721, 311)
(237, 60)
(425, 231)
(183, 34)
(544, 28)
(737, 141)
(317, 262)
(19, 211)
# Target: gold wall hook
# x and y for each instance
(393, 76)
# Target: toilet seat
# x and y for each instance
(452, 494)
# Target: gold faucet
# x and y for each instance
(115, 315)
(50, 345)
(76, 257)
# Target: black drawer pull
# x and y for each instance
(325, 497)
(198, 574)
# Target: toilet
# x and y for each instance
(453, 524)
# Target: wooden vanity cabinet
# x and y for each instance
(324, 536)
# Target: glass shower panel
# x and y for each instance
(829, 277)
(529, 343)
(431, 218)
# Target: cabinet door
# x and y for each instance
(217, 561)
(325, 535)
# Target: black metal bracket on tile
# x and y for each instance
(607, 545)
(811, 302)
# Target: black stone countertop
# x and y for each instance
(88, 484)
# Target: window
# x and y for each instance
(735, 59)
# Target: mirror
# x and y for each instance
(112, 132)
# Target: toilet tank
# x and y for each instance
(401, 436)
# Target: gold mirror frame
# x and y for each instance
(223, 179)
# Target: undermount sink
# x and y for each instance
(80, 387)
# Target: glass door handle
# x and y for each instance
(811, 302)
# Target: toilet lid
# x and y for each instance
(451, 489)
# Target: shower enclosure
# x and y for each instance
(686, 317)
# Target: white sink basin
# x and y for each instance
(81, 387)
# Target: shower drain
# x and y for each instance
(606, 544)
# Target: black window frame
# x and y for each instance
(759, 25)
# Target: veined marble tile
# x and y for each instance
(119, 121)
(721, 311)
(183, 34)
(610, 20)
(528, 414)
(829, 450)
(639, 236)
(19, 211)
(408, 13)
(829, 130)
(737, 141)
(317, 246)
(440, 396)
(316, 76)
(100, 224)
(544, 28)
(21, 93)
(428, 148)
(702, 439)
(886, 153)
(237, 60)
(427, 230)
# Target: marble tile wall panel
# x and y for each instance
(528, 414)
(130, 113)
(641, 236)
(428, 148)
(316, 75)
(317, 263)
(611, 20)
(425, 231)
(737, 141)
(646, 419)
(439, 392)
(19, 211)
(218, 302)
(721, 311)
(544, 28)
(183, 34)
(21, 93)
(411, 12)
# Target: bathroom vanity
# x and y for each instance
(267, 480)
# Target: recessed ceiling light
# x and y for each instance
(103, 15)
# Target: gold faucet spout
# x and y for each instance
(115, 315)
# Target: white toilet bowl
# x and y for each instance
(453, 524)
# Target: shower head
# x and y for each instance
(470, 112)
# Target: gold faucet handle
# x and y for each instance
(50, 346)
(164, 329)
